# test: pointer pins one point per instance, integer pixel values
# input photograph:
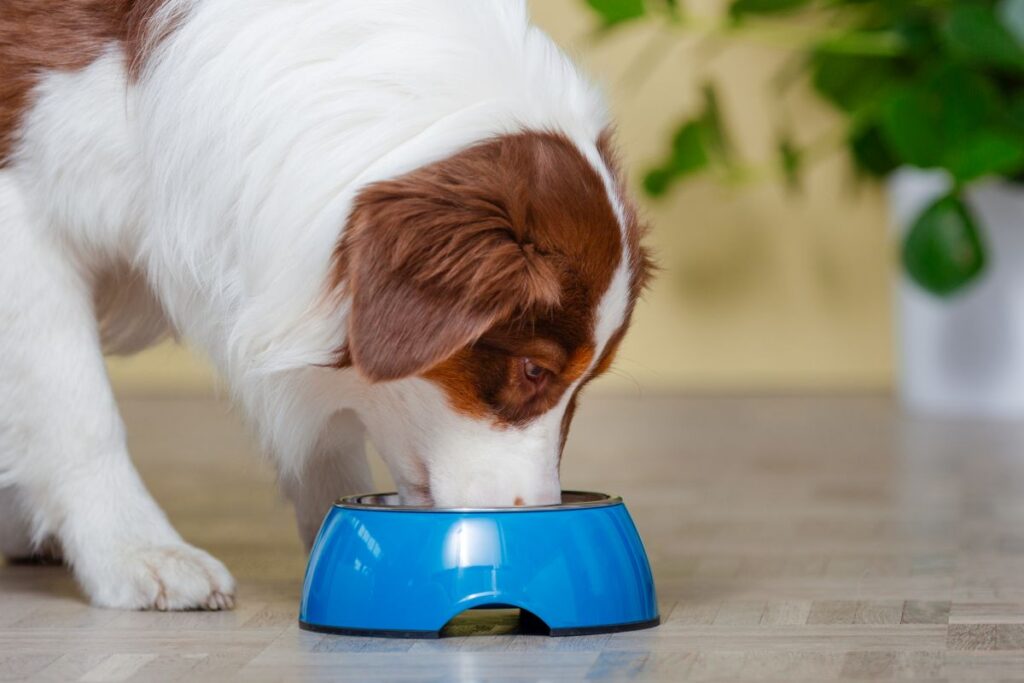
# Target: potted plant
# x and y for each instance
(930, 95)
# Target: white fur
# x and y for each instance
(216, 188)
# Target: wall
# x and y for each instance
(762, 289)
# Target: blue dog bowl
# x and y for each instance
(381, 569)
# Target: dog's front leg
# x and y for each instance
(337, 467)
(62, 443)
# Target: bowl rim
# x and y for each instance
(588, 499)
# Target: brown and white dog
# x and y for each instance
(398, 218)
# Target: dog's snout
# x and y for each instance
(477, 493)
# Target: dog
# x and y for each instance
(398, 219)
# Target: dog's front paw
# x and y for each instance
(164, 577)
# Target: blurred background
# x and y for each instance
(770, 169)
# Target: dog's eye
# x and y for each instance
(533, 372)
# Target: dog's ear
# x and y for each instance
(431, 263)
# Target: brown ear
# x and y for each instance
(432, 261)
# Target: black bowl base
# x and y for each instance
(529, 625)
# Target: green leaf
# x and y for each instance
(925, 123)
(976, 33)
(1011, 15)
(919, 29)
(697, 144)
(1016, 112)
(790, 161)
(689, 152)
(689, 155)
(987, 153)
(740, 8)
(912, 125)
(713, 127)
(657, 182)
(617, 11)
(851, 82)
(943, 250)
(871, 152)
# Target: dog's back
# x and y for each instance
(168, 135)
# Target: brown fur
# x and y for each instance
(501, 231)
(37, 36)
(641, 264)
(461, 269)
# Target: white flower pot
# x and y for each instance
(964, 355)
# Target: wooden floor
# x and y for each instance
(791, 539)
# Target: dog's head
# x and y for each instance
(486, 290)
